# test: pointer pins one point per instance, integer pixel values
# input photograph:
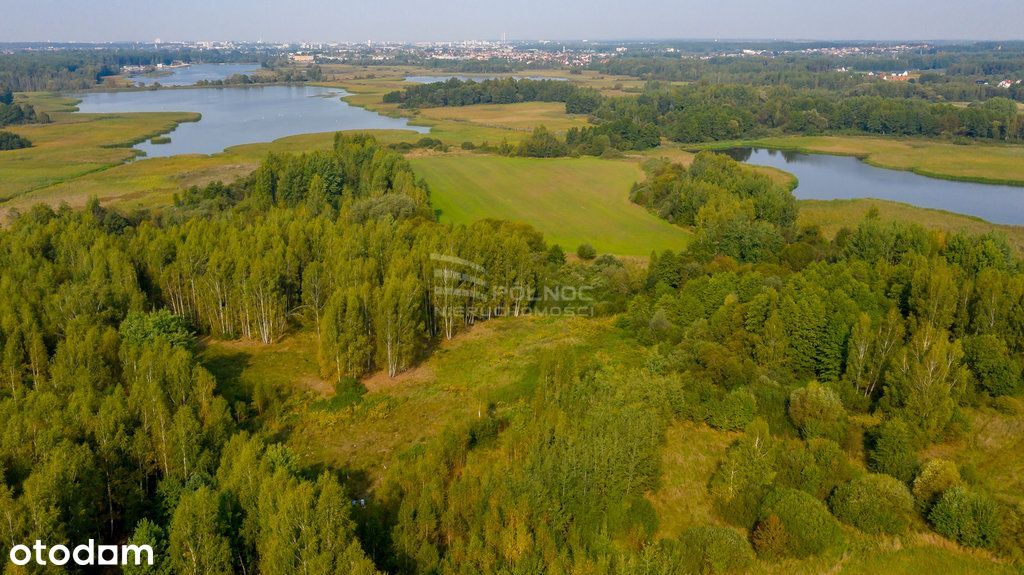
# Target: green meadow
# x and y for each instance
(572, 200)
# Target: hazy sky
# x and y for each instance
(412, 20)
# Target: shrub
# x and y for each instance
(556, 255)
(734, 411)
(937, 475)
(586, 252)
(967, 517)
(745, 476)
(817, 466)
(713, 549)
(770, 538)
(892, 452)
(874, 503)
(817, 412)
(808, 526)
(990, 362)
(11, 141)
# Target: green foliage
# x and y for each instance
(737, 212)
(11, 141)
(140, 328)
(711, 549)
(817, 412)
(734, 411)
(802, 522)
(967, 517)
(541, 144)
(892, 451)
(989, 360)
(745, 476)
(586, 252)
(935, 478)
(817, 466)
(456, 92)
(874, 503)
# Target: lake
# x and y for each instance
(474, 78)
(824, 177)
(233, 116)
(189, 75)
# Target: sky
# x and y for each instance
(425, 20)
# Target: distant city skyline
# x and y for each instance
(420, 20)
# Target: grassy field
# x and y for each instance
(692, 453)
(523, 117)
(572, 200)
(75, 144)
(495, 363)
(998, 164)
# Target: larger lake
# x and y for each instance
(823, 177)
(233, 116)
(193, 73)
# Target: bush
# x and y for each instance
(967, 517)
(874, 503)
(817, 466)
(586, 252)
(989, 360)
(937, 475)
(11, 141)
(713, 549)
(734, 411)
(541, 144)
(817, 412)
(745, 476)
(468, 145)
(802, 523)
(892, 452)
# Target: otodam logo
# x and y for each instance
(85, 555)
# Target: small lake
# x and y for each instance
(189, 75)
(475, 78)
(824, 177)
(233, 116)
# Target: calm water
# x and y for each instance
(233, 116)
(824, 177)
(474, 78)
(194, 73)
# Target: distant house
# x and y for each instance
(1008, 83)
(302, 58)
(902, 77)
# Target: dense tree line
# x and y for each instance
(456, 92)
(966, 73)
(81, 69)
(701, 113)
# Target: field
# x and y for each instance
(994, 164)
(494, 363)
(573, 201)
(523, 117)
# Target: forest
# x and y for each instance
(707, 112)
(836, 363)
